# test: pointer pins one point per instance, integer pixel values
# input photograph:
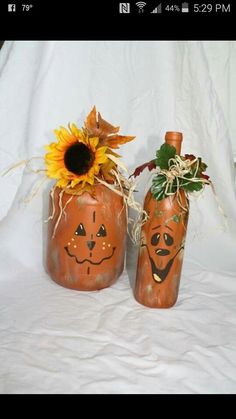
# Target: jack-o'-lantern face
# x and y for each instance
(162, 251)
(91, 242)
(88, 247)
(163, 238)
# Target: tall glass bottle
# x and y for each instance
(162, 245)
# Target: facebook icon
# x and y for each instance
(11, 7)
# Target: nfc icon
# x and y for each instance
(124, 7)
(11, 8)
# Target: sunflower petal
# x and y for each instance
(50, 147)
(54, 156)
(75, 130)
(110, 151)
(100, 152)
(93, 142)
(62, 183)
(102, 159)
(106, 168)
(66, 134)
(75, 182)
(118, 162)
(59, 136)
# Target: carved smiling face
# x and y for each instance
(87, 251)
(91, 243)
(163, 236)
(162, 251)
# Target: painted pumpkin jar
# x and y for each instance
(86, 250)
(162, 245)
(87, 228)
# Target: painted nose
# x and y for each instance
(90, 244)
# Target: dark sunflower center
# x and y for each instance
(78, 159)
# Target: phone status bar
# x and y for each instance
(144, 8)
(118, 20)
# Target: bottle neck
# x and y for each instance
(175, 139)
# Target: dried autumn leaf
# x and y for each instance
(97, 126)
(107, 133)
(205, 176)
(150, 165)
(91, 120)
(189, 156)
(105, 127)
(114, 141)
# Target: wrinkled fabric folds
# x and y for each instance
(54, 340)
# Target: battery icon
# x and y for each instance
(185, 8)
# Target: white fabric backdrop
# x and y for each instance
(56, 340)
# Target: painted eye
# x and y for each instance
(168, 239)
(80, 230)
(101, 232)
(155, 239)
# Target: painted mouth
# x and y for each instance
(159, 275)
(88, 260)
(162, 252)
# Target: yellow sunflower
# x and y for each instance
(75, 159)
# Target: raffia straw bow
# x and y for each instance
(177, 170)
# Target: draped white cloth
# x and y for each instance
(54, 340)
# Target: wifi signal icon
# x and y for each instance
(141, 5)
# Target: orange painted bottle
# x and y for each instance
(162, 245)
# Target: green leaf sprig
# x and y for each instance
(177, 172)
